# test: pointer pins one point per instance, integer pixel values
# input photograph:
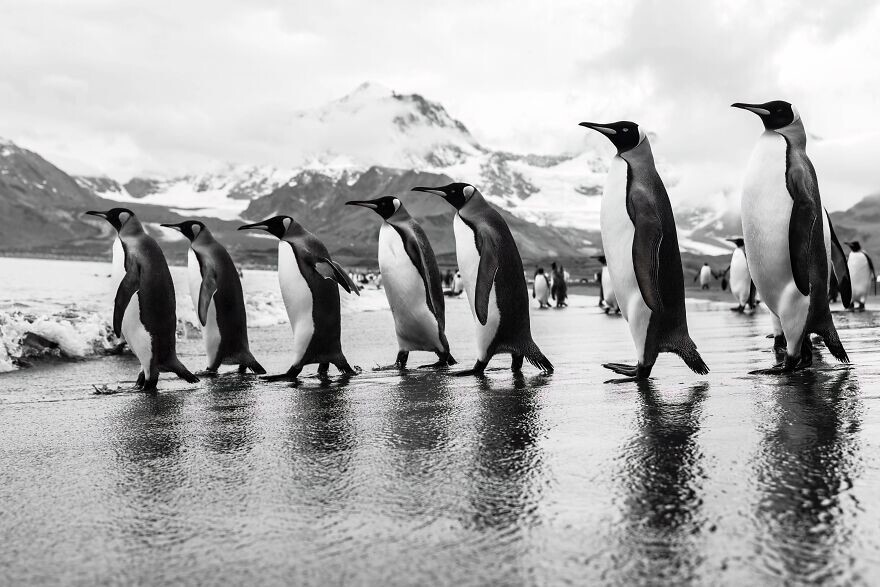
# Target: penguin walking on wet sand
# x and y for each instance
(144, 311)
(412, 283)
(217, 297)
(607, 299)
(741, 285)
(541, 288)
(308, 279)
(788, 236)
(493, 277)
(861, 271)
(641, 246)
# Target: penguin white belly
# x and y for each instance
(210, 331)
(118, 268)
(415, 325)
(705, 276)
(608, 289)
(860, 275)
(740, 279)
(618, 232)
(542, 290)
(469, 265)
(139, 340)
(766, 215)
(297, 298)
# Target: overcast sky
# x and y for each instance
(108, 86)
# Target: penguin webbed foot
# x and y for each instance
(208, 373)
(634, 371)
(738, 309)
(398, 365)
(478, 370)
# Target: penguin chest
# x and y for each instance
(705, 275)
(860, 275)
(608, 289)
(297, 298)
(416, 326)
(469, 265)
(618, 232)
(766, 215)
(740, 280)
(210, 330)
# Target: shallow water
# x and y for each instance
(423, 478)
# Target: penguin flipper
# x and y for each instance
(839, 267)
(753, 293)
(485, 280)
(646, 246)
(206, 293)
(127, 288)
(331, 270)
(804, 192)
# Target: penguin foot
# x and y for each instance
(478, 370)
(279, 377)
(207, 373)
(738, 309)
(392, 367)
(438, 365)
(626, 380)
(633, 371)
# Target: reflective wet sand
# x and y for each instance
(426, 479)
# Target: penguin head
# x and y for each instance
(457, 194)
(276, 226)
(625, 135)
(775, 115)
(188, 228)
(118, 217)
(738, 241)
(384, 207)
(854, 245)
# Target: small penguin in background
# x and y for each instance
(541, 288)
(861, 272)
(741, 285)
(217, 297)
(308, 278)
(788, 236)
(705, 275)
(145, 310)
(493, 277)
(607, 299)
(641, 246)
(412, 283)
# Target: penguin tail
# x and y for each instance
(687, 351)
(832, 341)
(534, 356)
(248, 361)
(175, 366)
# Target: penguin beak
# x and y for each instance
(176, 227)
(98, 214)
(605, 130)
(363, 204)
(755, 108)
(254, 226)
(433, 191)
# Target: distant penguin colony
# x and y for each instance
(788, 257)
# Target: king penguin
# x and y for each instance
(787, 235)
(494, 279)
(308, 279)
(607, 299)
(217, 297)
(741, 285)
(412, 283)
(144, 310)
(861, 271)
(641, 246)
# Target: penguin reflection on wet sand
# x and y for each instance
(493, 277)
(308, 279)
(641, 247)
(787, 235)
(217, 297)
(145, 310)
(861, 271)
(412, 283)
